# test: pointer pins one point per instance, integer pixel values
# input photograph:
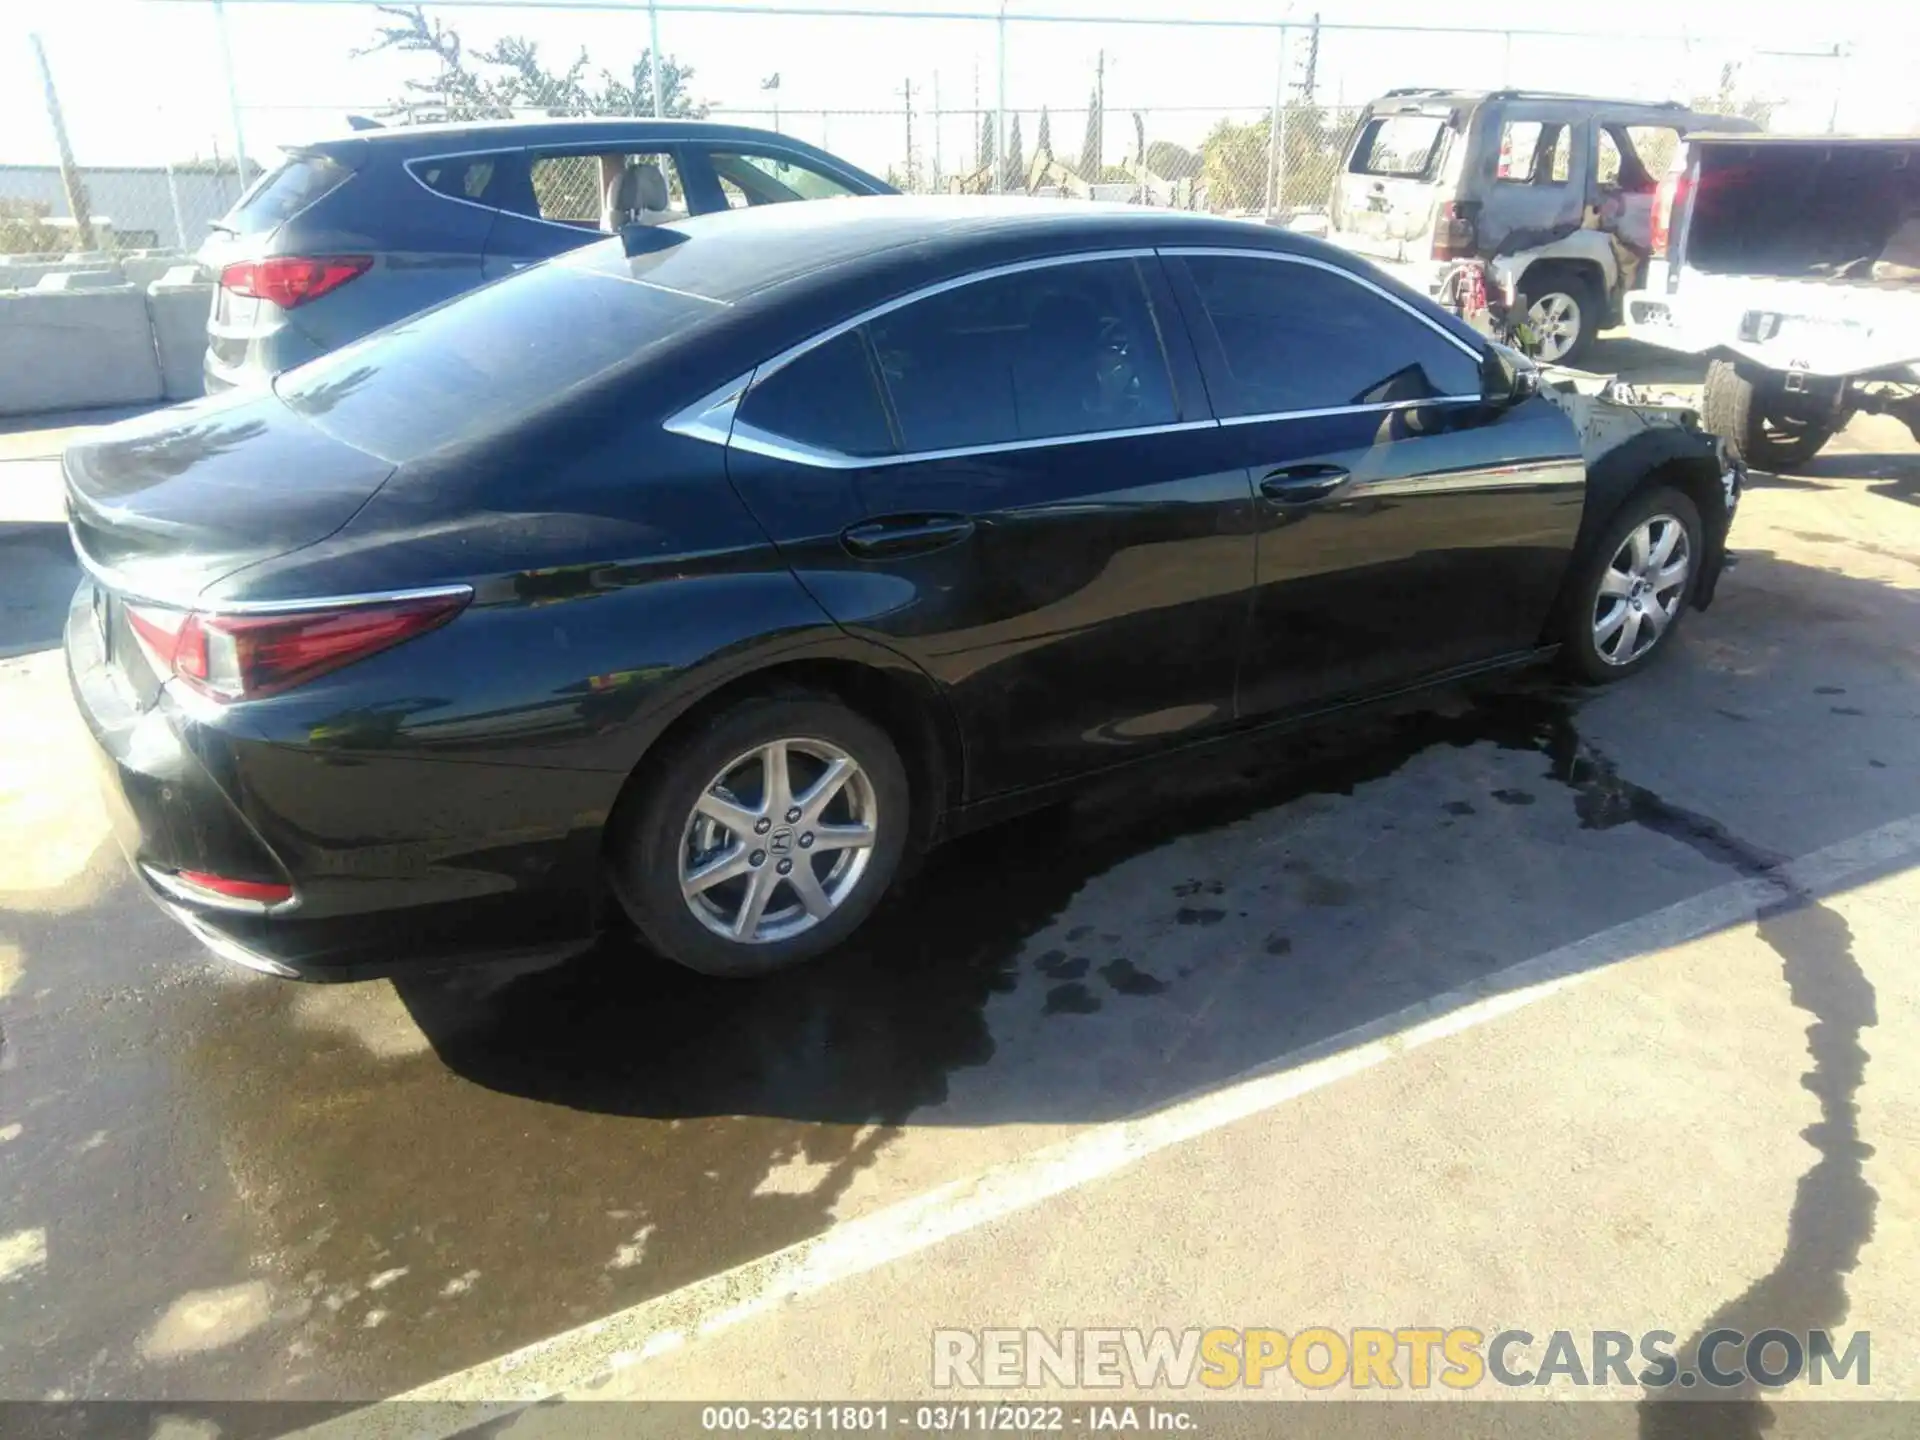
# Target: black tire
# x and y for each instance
(1580, 652)
(1743, 409)
(1577, 284)
(646, 856)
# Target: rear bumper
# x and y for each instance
(1828, 330)
(249, 362)
(372, 894)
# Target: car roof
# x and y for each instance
(442, 136)
(871, 244)
(1415, 97)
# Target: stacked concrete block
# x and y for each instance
(178, 304)
(70, 347)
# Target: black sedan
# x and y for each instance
(700, 575)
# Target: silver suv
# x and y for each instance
(1556, 191)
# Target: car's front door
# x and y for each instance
(1406, 526)
(1000, 480)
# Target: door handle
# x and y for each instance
(905, 535)
(1293, 484)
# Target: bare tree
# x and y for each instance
(492, 83)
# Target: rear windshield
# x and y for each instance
(284, 193)
(1403, 146)
(473, 366)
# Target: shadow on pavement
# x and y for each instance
(443, 1169)
(37, 560)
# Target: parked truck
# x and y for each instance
(1794, 263)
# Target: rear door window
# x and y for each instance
(284, 193)
(572, 188)
(1535, 152)
(1294, 337)
(1039, 354)
(1402, 146)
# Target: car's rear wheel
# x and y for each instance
(1563, 310)
(1633, 588)
(1752, 411)
(764, 838)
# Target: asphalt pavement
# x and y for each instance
(1673, 1077)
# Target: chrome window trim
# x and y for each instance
(1287, 258)
(1381, 406)
(714, 417)
(124, 590)
(760, 442)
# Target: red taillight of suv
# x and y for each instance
(1673, 187)
(1455, 232)
(292, 280)
(242, 657)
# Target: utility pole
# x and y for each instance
(1099, 116)
(1313, 60)
(907, 90)
(653, 56)
(233, 98)
(939, 179)
(1277, 133)
(69, 172)
(1000, 106)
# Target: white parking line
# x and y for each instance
(579, 1357)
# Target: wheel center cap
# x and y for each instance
(780, 842)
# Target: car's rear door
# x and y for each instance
(1397, 173)
(1012, 482)
(1539, 186)
(1406, 527)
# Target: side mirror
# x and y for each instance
(1507, 377)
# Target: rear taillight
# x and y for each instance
(225, 887)
(1673, 189)
(242, 657)
(1455, 234)
(291, 280)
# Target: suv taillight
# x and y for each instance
(1455, 235)
(291, 280)
(242, 657)
(1673, 188)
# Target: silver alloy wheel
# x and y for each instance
(1556, 324)
(777, 840)
(1641, 590)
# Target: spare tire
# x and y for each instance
(1743, 407)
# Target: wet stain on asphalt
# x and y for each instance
(1198, 915)
(1846, 710)
(637, 1127)
(1459, 807)
(1514, 797)
(1070, 999)
(1829, 689)
(1058, 965)
(1125, 978)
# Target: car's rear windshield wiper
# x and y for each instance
(224, 228)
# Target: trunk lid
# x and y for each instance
(166, 505)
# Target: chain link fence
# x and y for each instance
(1231, 117)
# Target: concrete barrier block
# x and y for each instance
(143, 270)
(81, 280)
(69, 349)
(178, 305)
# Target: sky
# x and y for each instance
(141, 81)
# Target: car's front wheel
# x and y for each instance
(1633, 589)
(764, 838)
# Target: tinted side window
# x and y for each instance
(1295, 337)
(284, 193)
(463, 177)
(769, 179)
(1063, 350)
(827, 398)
